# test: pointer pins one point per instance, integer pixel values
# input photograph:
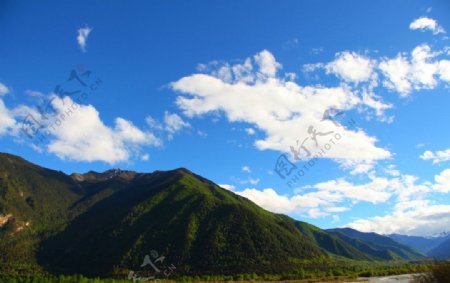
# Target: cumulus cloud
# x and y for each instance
(7, 120)
(84, 136)
(442, 182)
(281, 108)
(314, 204)
(425, 23)
(336, 196)
(351, 67)
(375, 191)
(83, 34)
(414, 212)
(444, 70)
(437, 157)
(270, 200)
(418, 71)
(418, 218)
(397, 72)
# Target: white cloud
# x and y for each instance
(250, 131)
(145, 157)
(351, 67)
(425, 23)
(392, 171)
(246, 169)
(442, 182)
(444, 70)
(202, 134)
(420, 71)
(84, 137)
(227, 187)
(83, 34)
(282, 109)
(437, 157)
(268, 66)
(413, 213)
(270, 200)
(3, 89)
(397, 72)
(311, 205)
(321, 199)
(340, 195)
(361, 168)
(312, 67)
(376, 191)
(34, 93)
(419, 218)
(423, 71)
(174, 123)
(249, 180)
(7, 121)
(153, 123)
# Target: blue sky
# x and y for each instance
(224, 88)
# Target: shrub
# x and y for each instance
(439, 273)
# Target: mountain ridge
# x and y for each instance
(103, 223)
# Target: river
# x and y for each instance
(405, 278)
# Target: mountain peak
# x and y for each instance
(104, 176)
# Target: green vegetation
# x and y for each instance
(439, 272)
(320, 273)
(377, 246)
(104, 224)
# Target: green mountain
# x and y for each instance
(378, 246)
(329, 242)
(106, 223)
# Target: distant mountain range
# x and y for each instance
(437, 246)
(423, 244)
(106, 223)
(377, 245)
(442, 251)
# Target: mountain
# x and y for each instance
(423, 244)
(33, 205)
(329, 242)
(180, 215)
(376, 245)
(106, 223)
(442, 251)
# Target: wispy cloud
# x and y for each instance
(3, 89)
(174, 123)
(83, 34)
(246, 169)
